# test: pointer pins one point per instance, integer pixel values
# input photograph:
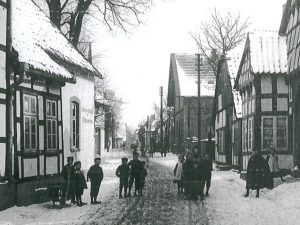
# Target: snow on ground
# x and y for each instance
(226, 204)
(45, 213)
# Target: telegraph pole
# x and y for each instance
(199, 102)
(161, 118)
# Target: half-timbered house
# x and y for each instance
(227, 118)
(48, 62)
(262, 84)
(290, 27)
(182, 97)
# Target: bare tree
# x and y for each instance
(220, 34)
(69, 15)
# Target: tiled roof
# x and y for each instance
(41, 45)
(187, 76)
(268, 52)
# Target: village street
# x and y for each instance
(160, 203)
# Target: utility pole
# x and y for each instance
(199, 102)
(161, 118)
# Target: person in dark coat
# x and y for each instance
(80, 183)
(258, 174)
(188, 171)
(207, 168)
(68, 174)
(95, 174)
(123, 173)
(135, 168)
(142, 178)
(199, 177)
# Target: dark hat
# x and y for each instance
(97, 158)
(70, 158)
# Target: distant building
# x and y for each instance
(262, 84)
(182, 98)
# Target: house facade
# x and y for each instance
(47, 63)
(290, 28)
(227, 118)
(262, 84)
(182, 98)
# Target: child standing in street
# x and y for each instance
(123, 173)
(80, 183)
(143, 174)
(178, 174)
(95, 174)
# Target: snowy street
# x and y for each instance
(160, 203)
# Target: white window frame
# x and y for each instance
(51, 117)
(75, 129)
(274, 124)
(31, 116)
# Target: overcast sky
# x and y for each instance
(138, 63)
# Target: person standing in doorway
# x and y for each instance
(95, 174)
(135, 168)
(68, 174)
(272, 160)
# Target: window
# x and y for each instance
(220, 136)
(30, 122)
(275, 132)
(74, 125)
(244, 135)
(51, 125)
(250, 134)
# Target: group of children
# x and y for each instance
(192, 174)
(134, 171)
(75, 181)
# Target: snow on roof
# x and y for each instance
(187, 76)
(268, 52)
(41, 45)
(233, 62)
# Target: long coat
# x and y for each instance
(95, 174)
(80, 182)
(258, 173)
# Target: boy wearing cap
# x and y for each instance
(95, 174)
(80, 183)
(123, 173)
(135, 169)
(68, 174)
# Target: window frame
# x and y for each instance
(75, 146)
(275, 131)
(250, 133)
(53, 119)
(31, 116)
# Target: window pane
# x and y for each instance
(26, 124)
(27, 141)
(54, 141)
(33, 105)
(33, 141)
(53, 126)
(54, 109)
(49, 143)
(48, 126)
(48, 108)
(33, 125)
(26, 104)
(73, 110)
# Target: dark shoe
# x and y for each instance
(97, 202)
(206, 194)
(246, 195)
(92, 203)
